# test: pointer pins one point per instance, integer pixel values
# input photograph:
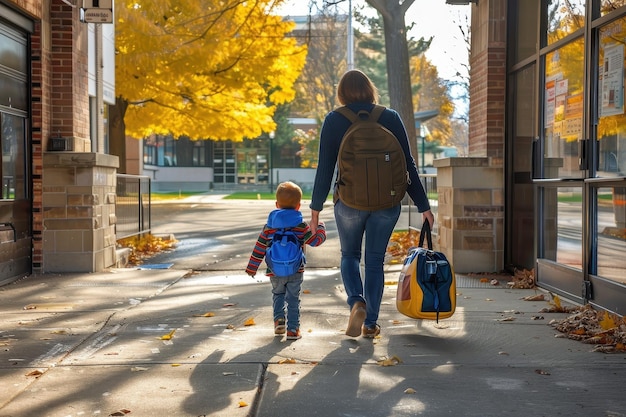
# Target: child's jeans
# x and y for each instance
(286, 293)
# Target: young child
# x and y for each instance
(285, 289)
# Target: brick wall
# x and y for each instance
(60, 99)
(40, 119)
(69, 89)
(488, 79)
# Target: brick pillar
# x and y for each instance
(40, 121)
(69, 77)
(488, 79)
(471, 190)
(73, 192)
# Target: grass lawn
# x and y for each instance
(173, 195)
(238, 195)
(262, 195)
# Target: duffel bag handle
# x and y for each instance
(425, 232)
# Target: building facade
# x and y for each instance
(544, 185)
(547, 117)
(57, 210)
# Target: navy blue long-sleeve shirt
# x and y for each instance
(334, 127)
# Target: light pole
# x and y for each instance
(423, 152)
(271, 170)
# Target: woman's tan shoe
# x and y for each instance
(357, 317)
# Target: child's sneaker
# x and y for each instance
(279, 326)
(293, 335)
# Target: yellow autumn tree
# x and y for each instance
(432, 93)
(203, 69)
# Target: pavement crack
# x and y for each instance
(260, 381)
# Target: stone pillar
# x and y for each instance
(79, 191)
(471, 213)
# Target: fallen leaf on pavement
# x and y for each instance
(557, 307)
(121, 412)
(36, 373)
(506, 319)
(393, 361)
(606, 330)
(536, 297)
(243, 404)
(287, 361)
(607, 321)
(409, 391)
(168, 336)
(249, 322)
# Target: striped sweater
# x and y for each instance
(283, 218)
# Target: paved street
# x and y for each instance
(172, 342)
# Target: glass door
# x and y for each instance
(560, 187)
(582, 186)
(606, 187)
(15, 191)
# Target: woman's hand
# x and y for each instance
(428, 215)
(315, 219)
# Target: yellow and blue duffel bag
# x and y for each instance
(427, 285)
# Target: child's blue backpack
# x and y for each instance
(284, 254)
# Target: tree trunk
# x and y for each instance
(398, 69)
(117, 132)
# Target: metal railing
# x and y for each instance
(132, 205)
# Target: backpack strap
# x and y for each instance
(373, 116)
(347, 113)
(377, 111)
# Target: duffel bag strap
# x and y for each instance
(426, 233)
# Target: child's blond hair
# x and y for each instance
(288, 195)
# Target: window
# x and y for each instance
(564, 18)
(563, 109)
(13, 108)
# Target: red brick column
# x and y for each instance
(488, 79)
(60, 99)
(69, 99)
(40, 122)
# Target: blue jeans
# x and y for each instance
(376, 226)
(286, 293)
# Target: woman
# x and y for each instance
(357, 92)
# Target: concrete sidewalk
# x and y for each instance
(94, 345)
